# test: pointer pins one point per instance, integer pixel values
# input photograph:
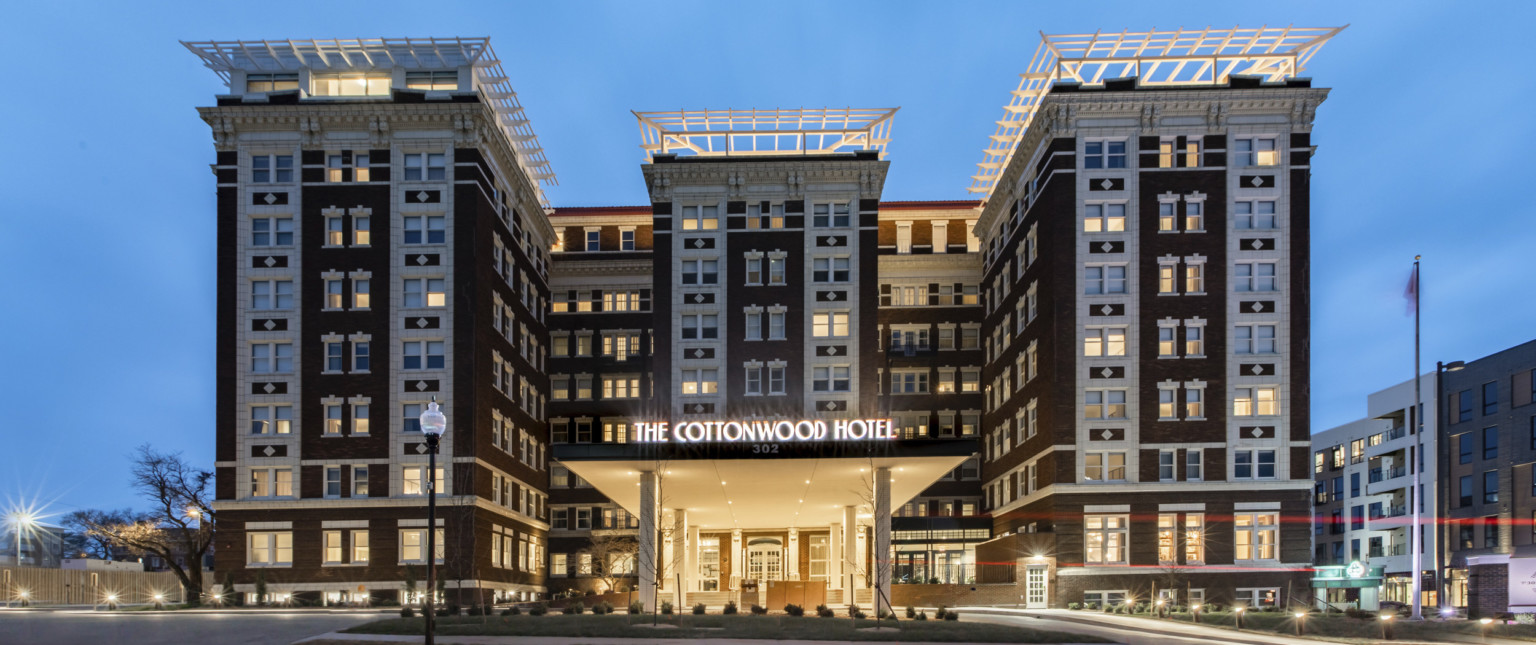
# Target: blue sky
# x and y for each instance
(107, 226)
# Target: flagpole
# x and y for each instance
(1417, 539)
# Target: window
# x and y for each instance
(1104, 539)
(833, 378)
(1254, 339)
(776, 380)
(754, 380)
(351, 84)
(413, 546)
(272, 169)
(1490, 398)
(1192, 465)
(700, 381)
(909, 381)
(594, 240)
(430, 166)
(1257, 536)
(333, 424)
(701, 271)
(1255, 151)
(1464, 445)
(765, 215)
(701, 218)
(754, 325)
(701, 326)
(272, 231)
(418, 355)
(1491, 531)
(621, 387)
(360, 357)
(1103, 279)
(335, 358)
(1194, 277)
(1253, 464)
(333, 481)
(754, 270)
(271, 358)
(1194, 538)
(1491, 487)
(270, 295)
(360, 547)
(1167, 347)
(829, 325)
(1104, 404)
(1464, 491)
(1167, 283)
(1104, 154)
(271, 82)
(1194, 402)
(425, 292)
(1491, 442)
(335, 231)
(1194, 340)
(333, 294)
(440, 80)
(1165, 465)
(1255, 215)
(1103, 218)
(271, 482)
(266, 549)
(1166, 397)
(775, 325)
(414, 482)
(1167, 217)
(829, 270)
(627, 240)
(359, 481)
(1254, 277)
(1167, 524)
(272, 419)
(1256, 401)
(1104, 466)
(824, 215)
(424, 229)
(970, 379)
(1104, 342)
(360, 298)
(1463, 406)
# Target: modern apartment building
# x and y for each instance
(770, 378)
(1487, 484)
(1362, 490)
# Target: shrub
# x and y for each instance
(538, 610)
(922, 615)
(407, 612)
(858, 614)
(1092, 606)
(825, 611)
(1139, 608)
(794, 610)
(1074, 606)
(385, 602)
(758, 610)
(938, 614)
(666, 608)
(730, 608)
(477, 610)
(933, 581)
(1361, 614)
(603, 608)
(852, 609)
(511, 611)
(885, 614)
(911, 611)
(698, 610)
(952, 615)
(575, 607)
(637, 607)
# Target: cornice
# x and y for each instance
(561, 268)
(789, 173)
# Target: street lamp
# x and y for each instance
(1196, 610)
(433, 424)
(1239, 612)
(22, 520)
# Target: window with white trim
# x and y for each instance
(1255, 151)
(269, 549)
(1104, 341)
(1253, 464)
(1102, 279)
(422, 355)
(700, 326)
(1194, 401)
(424, 229)
(701, 272)
(1253, 277)
(424, 292)
(754, 379)
(700, 381)
(1105, 539)
(1103, 154)
(413, 481)
(271, 231)
(271, 482)
(425, 166)
(271, 358)
(271, 169)
(271, 295)
(1255, 401)
(1104, 404)
(829, 269)
(413, 546)
(1253, 339)
(1194, 338)
(1257, 536)
(829, 215)
(909, 381)
(831, 324)
(701, 218)
(271, 419)
(1104, 218)
(1253, 215)
(831, 378)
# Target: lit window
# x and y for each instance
(360, 233)
(413, 480)
(701, 218)
(1167, 220)
(360, 293)
(425, 292)
(360, 426)
(1257, 536)
(272, 419)
(274, 549)
(1103, 218)
(1104, 404)
(829, 325)
(438, 80)
(1255, 151)
(255, 83)
(700, 381)
(350, 84)
(413, 546)
(1255, 401)
(1104, 538)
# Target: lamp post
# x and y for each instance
(433, 425)
(1239, 612)
(1301, 618)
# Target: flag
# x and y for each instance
(1412, 292)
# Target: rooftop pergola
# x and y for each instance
(368, 54)
(1179, 57)
(803, 131)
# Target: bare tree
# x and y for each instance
(81, 540)
(180, 521)
(613, 557)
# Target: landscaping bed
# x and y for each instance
(772, 627)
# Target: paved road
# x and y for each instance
(1118, 634)
(170, 628)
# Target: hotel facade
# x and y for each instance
(768, 383)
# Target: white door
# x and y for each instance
(765, 559)
(1035, 587)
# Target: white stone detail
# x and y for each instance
(268, 452)
(271, 198)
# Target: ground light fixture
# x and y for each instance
(1195, 609)
(433, 424)
(1483, 624)
(1386, 627)
(1239, 612)
(159, 601)
(1301, 619)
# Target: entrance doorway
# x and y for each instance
(765, 559)
(1035, 592)
(709, 564)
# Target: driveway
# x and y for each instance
(243, 627)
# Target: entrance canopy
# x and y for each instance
(759, 486)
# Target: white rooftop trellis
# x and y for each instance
(1180, 57)
(364, 54)
(804, 131)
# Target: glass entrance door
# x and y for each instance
(765, 559)
(709, 564)
(1035, 587)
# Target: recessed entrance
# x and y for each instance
(765, 559)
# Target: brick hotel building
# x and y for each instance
(1097, 372)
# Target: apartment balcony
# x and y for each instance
(1387, 480)
(1394, 442)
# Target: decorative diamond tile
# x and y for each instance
(1107, 309)
(422, 322)
(269, 388)
(1258, 244)
(1107, 247)
(422, 196)
(1107, 184)
(1258, 181)
(831, 405)
(1258, 432)
(270, 325)
(698, 297)
(271, 260)
(1107, 434)
(1258, 369)
(831, 351)
(698, 243)
(698, 353)
(270, 198)
(832, 295)
(421, 448)
(421, 259)
(1258, 306)
(1107, 372)
(268, 452)
(698, 407)
(421, 385)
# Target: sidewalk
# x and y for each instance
(1181, 629)
(338, 637)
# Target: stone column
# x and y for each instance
(678, 570)
(792, 556)
(835, 578)
(851, 577)
(668, 565)
(648, 556)
(881, 556)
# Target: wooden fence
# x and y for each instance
(76, 587)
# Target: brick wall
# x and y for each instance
(955, 595)
(1487, 590)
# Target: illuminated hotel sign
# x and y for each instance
(765, 431)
